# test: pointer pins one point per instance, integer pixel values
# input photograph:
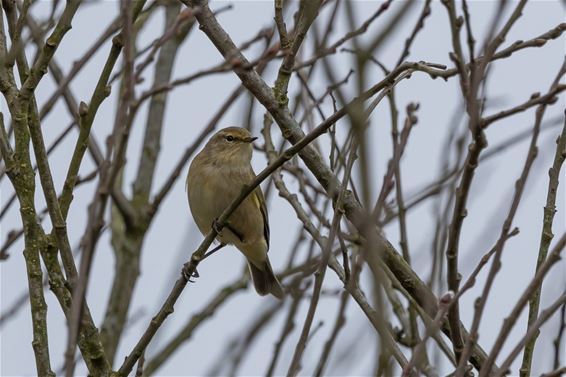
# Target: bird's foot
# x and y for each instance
(188, 274)
(216, 227)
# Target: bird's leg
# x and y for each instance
(213, 251)
(187, 274)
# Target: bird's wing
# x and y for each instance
(260, 200)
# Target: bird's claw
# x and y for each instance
(188, 275)
(216, 227)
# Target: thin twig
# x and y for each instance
(559, 337)
(534, 329)
(506, 228)
(552, 258)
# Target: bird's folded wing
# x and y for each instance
(259, 200)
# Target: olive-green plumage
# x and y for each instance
(216, 177)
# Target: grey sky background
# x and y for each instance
(173, 234)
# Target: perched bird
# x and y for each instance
(216, 177)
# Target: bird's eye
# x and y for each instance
(229, 138)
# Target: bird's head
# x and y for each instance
(231, 145)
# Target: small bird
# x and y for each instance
(216, 177)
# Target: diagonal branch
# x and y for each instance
(191, 266)
(314, 161)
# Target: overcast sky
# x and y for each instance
(173, 234)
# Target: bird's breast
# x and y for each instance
(209, 194)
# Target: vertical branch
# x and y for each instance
(127, 236)
(338, 325)
(108, 174)
(156, 113)
(88, 113)
(545, 239)
(470, 35)
(457, 56)
(511, 319)
(39, 68)
(418, 27)
(307, 13)
(281, 27)
(37, 300)
(411, 120)
(532, 332)
(88, 338)
(519, 188)
(470, 87)
(34, 236)
(24, 115)
(459, 212)
(65, 91)
(443, 304)
(559, 337)
(289, 325)
(319, 276)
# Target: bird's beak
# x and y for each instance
(250, 139)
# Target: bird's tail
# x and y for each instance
(265, 281)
